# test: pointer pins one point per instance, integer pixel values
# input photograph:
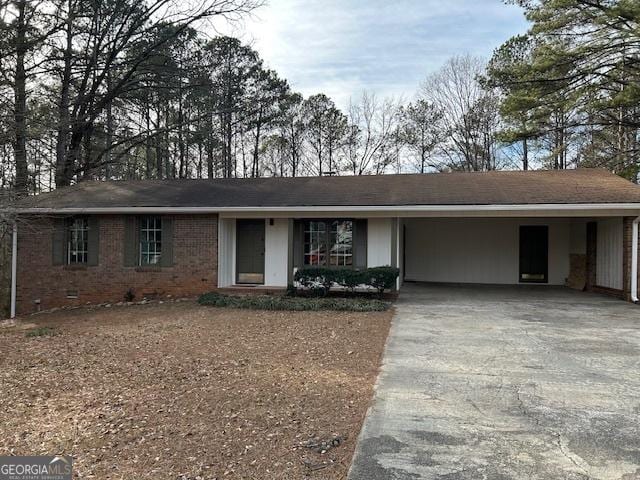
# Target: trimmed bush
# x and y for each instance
(382, 278)
(379, 278)
(274, 302)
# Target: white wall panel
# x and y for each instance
(476, 250)
(380, 236)
(609, 253)
(578, 236)
(226, 251)
(276, 244)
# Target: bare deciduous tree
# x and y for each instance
(469, 112)
(372, 136)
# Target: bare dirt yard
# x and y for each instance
(181, 391)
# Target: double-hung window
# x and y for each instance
(328, 243)
(150, 241)
(78, 241)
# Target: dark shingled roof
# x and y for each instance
(491, 188)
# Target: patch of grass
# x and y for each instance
(275, 302)
(41, 332)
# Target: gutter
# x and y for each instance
(402, 209)
(634, 260)
(14, 268)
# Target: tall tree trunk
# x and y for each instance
(228, 145)
(88, 171)
(209, 145)
(158, 142)
(109, 142)
(73, 157)
(181, 150)
(256, 146)
(168, 168)
(20, 107)
(62, 154)
(148, 162)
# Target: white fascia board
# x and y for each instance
(521, 210)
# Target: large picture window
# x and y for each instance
(78, 241)
(328, 243)
(150, 240)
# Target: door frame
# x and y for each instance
(257, 221)
(545, 279)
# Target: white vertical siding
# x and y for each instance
(226, 251)
(478, 250)
(276, 252)
(400, 250)
(609, 253)
(380, 235)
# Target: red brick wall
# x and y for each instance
(195, 250)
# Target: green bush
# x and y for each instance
(275, 302)
(41, 332)
(316, 279)
(379, 278)
(382, 278)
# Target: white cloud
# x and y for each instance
(343, 47)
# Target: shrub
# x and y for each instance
(382, 278)
(318, 279)
(274, 302)
(379, 278)
(41, 332)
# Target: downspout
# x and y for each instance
(634, 260)
(14, 268)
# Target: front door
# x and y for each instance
(534, 253)
(250, 251)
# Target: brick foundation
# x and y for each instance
(194, 270)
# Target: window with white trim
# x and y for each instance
(150, 241)
(328, 243)
(78, 241)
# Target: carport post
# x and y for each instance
(14, 267)
(634, 260)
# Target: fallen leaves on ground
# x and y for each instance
(179, 391)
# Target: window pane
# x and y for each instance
(315, 243)
(78, 244)
(341, 239)
(150, 240)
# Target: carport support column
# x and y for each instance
(634, 259)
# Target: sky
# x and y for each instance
(341, 48)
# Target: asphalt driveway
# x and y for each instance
(506, 383)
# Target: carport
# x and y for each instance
(584, 252)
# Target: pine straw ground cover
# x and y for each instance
(180, 391)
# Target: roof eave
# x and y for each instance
(542, 209)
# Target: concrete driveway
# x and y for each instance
(505, 383)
